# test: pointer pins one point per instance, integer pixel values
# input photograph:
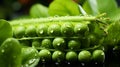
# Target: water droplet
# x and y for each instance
(64, 31)
(35, 54)
(58, 44)
(50, 19)
(56, 63)
(32, 61)
(48, 53)
(103, 48)
(2, 50)
(78, 29)
(96, 63)
(41, 32)
(83, 64)
(26, 65)
(68, 62)
(43, 60)
(14, 56)
(114, 40)
(59, 53)
(102, 53)
(51, 31)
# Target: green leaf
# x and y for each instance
(111, 9)
(63, 8)
(115, 15)
(107, 6)
(30, 57)
(91, 7)
(113, 34)
(38, 10)
(94, 7)
(10, 53)
(5, 30)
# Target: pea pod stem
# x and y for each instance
(56, 19)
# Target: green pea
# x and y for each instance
(67, 29)
(58, 56)
(84, 56)
(36, 43)
(93, 40)
(46, 43)
(54, 30)
(31, 31)
(59, 43)
(80, 28)
(98, 56)
(45, 55)
(19, 31)
(74, 44)
(42, 30)
(71, 56)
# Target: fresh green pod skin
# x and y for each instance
(58, 56)
(74, 44)
(56, 19)
(71, 56)
(45, 55)
(84, 56)
(10, 53)
(54, 30)
(19, 32)
(98, 56)
(36, 43)
(67, 29)
(59, 43)
(30, 31)
(80, 29)
(42, 30)
(30, 57)
(46, 43)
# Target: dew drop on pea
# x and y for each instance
(83, 64)
(2, 50)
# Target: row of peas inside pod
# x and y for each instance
(61, 43)
(83, 56)
(56, 39)
(50, 29)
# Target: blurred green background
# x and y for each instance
(11, 9)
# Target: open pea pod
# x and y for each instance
(29, 57)
(10, 53)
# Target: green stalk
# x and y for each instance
(55, 19)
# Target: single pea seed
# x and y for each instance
(84, 56)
